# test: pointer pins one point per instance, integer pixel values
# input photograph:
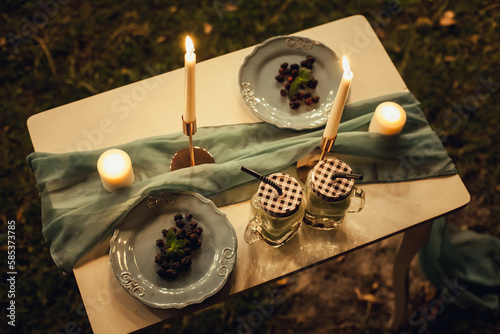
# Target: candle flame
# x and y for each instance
(189, 45)
(347, 68)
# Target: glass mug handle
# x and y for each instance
(360, 194)
(252, 232)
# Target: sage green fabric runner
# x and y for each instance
(464, 265)
(78, 213)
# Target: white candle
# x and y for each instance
(190, 91)
(332, 125)
(115, 169)
(388, 119)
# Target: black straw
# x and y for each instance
(263, 178)
(347, 176)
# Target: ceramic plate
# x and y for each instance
(261, 91)
(133, 248)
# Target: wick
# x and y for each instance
(347, 176)
(263, 178)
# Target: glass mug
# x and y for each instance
(328, 199)
(274, 218)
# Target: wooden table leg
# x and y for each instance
(411, 243)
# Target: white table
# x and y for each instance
(154, 106)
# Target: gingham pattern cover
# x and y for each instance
(322, 184)
(280, 206)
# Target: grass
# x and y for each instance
(81, 48)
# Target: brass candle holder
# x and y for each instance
(326, 146)
(307, 163)
(190, 156)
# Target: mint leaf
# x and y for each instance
(170, 237)
(294, 88)
(304, 76)
(182, 243)
(174, 246)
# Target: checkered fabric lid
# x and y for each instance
(322, 184)
(284, 205)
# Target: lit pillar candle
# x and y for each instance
(332, 125)
(190, 91)
(115, 169)
(388, 119)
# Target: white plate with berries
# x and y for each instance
(173, 250)
(291, 82)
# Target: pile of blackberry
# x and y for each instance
(177, 246)
(287, 75)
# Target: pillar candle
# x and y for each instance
(388, 119)
(115, 169)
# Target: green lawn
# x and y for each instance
(55, 52)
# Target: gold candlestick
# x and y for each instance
(326, 145)
(192, 155)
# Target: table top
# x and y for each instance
(154, 107)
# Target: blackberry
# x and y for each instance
(193, 225)
(178, 216)
(307, 95)
(284, 65)
(294, 73)
(193, 237)
(170, 274)
(195, 244)
(287, 86)
(159, 258)
(163, 249)
(181, 234)
(311, 59)
(308, 101)
(294, 105)
(294, 66)
(315, 99)
(312, 83)
(175, 266)
(293, 98)
(300, 95)
(280, 78)
(161, 272)
(290, 79)
(160, 243)
(165, 264)
(198, 230)
(186, 262)
(188, 216)
(187, 250)
(164, 232)
(284, 72)
(283, 92)
(304, 63)
(180, 223)
(308, 65)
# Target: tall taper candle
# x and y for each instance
(190, 92)
(332, 125)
